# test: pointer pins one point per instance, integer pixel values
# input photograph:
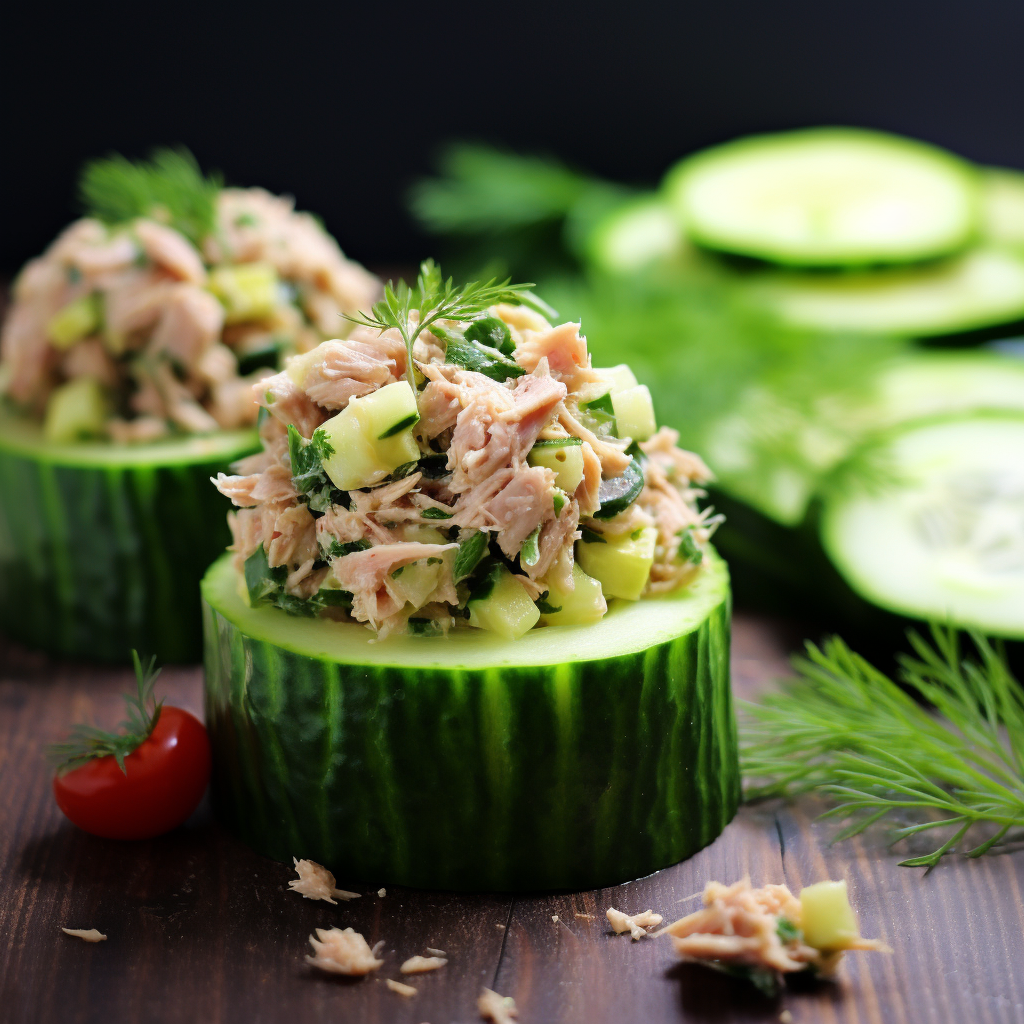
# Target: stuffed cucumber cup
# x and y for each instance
(472, 634)
(127, 362)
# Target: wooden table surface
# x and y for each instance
(200, 929)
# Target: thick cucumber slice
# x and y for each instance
(827, 197)
(981, 289)
(941, 535)
(102, 546)
(636, 235)
(469, 761)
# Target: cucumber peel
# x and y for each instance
(332, 746)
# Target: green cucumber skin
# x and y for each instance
(97, 560)
(570, 777)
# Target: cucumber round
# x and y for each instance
(1003, 207)
(468, 761)
(981, 289)
(827, 197)
(636, 235)
(935, 528)
(102, 546)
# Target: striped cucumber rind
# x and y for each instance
(102, 546)
(469, 762)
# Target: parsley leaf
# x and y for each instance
(471, 550)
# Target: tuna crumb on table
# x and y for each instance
(342, 951)
(315, 882)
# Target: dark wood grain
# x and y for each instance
(201, 929)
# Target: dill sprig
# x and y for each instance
(847, 730)
(86, 742)
(433, 298)
(168, 187)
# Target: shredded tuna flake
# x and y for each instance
(342, 951)
(499, 1009)
(315, 882)
(422, 964)
(637, 925)
(89, 934)
(403, 990)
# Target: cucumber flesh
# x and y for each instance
(564, 457)
(941, 534)
(455, 762)
(827, 197)
(1002, 207)
(636, 235)
(981, 289)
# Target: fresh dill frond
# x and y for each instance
(168, 187)
(846, 730)
(412, 310)
(86, 743)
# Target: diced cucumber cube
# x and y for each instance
(247, 291)
(621, 565)
(620, 378)
(506, 610)
(415, 582)
(634, 413)
(584, 603)
(827, 919)
(75, 321)
(76, 409)
(298, 367)
(365, 449)
(563, 457)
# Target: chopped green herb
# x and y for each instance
(485, 580)
(473, 355)
(529, 553)
(788, 932)
(169, 186)
(334, 598)
(262, 581)
(398, 572)
(86, 742)
(589, 536)
(602, 404)
(635, 535)
(492, 332)
(544, 607)
(436, 513)
(471, 551)
(558, 500)
(689, 549)
(308, 476)
(433, 299)
(339, 550)
(246, 220)
(410, 421)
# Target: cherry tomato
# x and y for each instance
(166, 777)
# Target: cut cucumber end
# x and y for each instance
(943, 536)
(636, 235)
(573, 757)
(827, 197)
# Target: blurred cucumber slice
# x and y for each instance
(1002, 207)
(636, 235)
(827, 197)
(983, 288)
(943, 536)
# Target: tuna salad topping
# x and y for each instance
(456, 461)
(157, 312)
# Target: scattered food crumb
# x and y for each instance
(436, 952)
(785, 1017)
(315, 882)
(89, 934)
(637, 925)
(500, 1009)
(382, 892)
(584, 917)
(422, 964)
(554, 919)
(377, 947)
(501, 926)
(760, 930)
(342, 952)
(402, 990)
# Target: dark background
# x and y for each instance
(343, 105)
